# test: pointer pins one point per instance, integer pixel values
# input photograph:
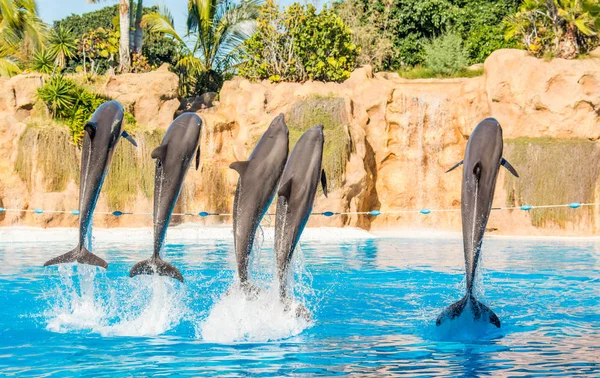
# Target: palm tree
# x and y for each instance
(215, 31)
(124, 26)
(62, 45)
(581, 18)
(21, 32)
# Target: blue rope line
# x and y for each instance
(204, 214)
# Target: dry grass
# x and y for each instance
(47, 148)
(553, 171)
(331, 113)
(132, 169)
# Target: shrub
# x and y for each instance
(563, 28)
(100, 47)
(446, 54)
(42, 62)
(299, 44)
(392, 33)
(68, 102)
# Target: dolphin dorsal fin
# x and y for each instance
(160, 152)
(324, 182)
(285, 189)
(510, 168)
(126, 135)
(240, 166)
(91, 127)
(198, 158)
(455, 166)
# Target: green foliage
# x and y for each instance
(47, 149)
(157, 49)
(42, 62)
(419, 72)
(446, 54)
(216, 29)
(68, 102)
(552, 173)
(299, 44)
(410, 24)
(21, 33)
(99, 47)
(62, 45)
(563, 28)
(372, 31)
(81, 24)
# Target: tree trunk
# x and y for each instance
(569, 46)
(139, 34)
(131, 23)
(124, 58)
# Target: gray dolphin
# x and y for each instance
(482, 162)
(255, 190)
(296, 196)
(102, 133)
(173, 159)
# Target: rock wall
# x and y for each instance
(398, 137)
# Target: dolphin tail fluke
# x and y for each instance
(79, 255)
(478, 309)
(156, 266)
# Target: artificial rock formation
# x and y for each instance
(390, 142)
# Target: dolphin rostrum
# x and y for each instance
(173, 158)
(255, 190)
(101, 134)
(295, 200)
(482, 162)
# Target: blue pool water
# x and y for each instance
(373, 302)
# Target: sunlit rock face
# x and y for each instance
(388, 143)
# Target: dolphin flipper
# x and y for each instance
(510, 168)
(198, 158)
(478, 309)
(156, 265)
(126, 135)
(79, 255)
(324, 182)
(455, 166)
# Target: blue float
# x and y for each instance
(526, 207)
(375, 212)
(203, 214)
(328, 213)
(2, 209)
(75, 212)
(38, 211)
(574, 205)
(425, 211)
(117, 213)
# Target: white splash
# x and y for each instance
(143, 306)
(76, 306)
(237, 317)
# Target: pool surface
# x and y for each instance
(374, 302)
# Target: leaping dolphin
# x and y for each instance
(173, 159)
(255, 190)
(295, 200)
(101, 135)
(482, 162)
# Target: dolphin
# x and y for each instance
(295, 199)
(482, 162)
(173, 158)
(255, 190)
(101, 134)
